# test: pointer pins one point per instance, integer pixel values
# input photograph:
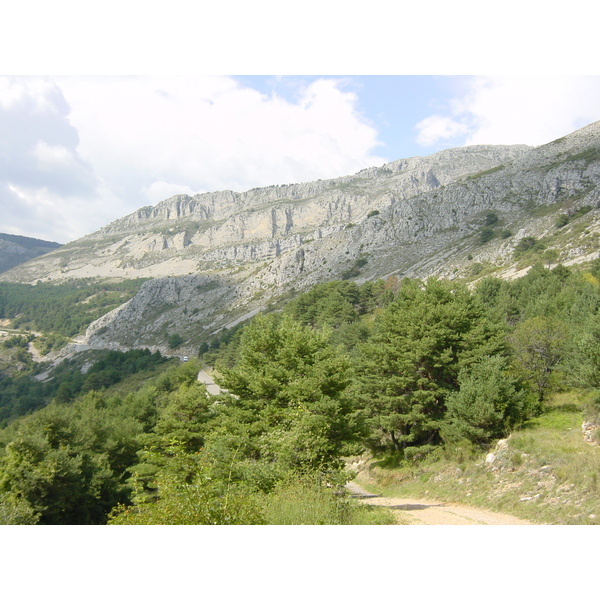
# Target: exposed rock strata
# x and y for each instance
(218, 256)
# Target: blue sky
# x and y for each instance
(393, 105)
(78, 151)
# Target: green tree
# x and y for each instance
(412, 361)
(188, 495)
(67, 463)
(586, 364)
(491, 218)
(175, 341)
(488, 403)
(487, 233)
(539, 346)
(288, 392)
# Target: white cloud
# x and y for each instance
(208, 133)
(436, 127)
(53, 157)
(41, 213)
(87, 150)
(44, 183)
(524, 109)
(159, 190)
(39, 94)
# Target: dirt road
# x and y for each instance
(411, 511)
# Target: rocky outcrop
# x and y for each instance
(589, 429)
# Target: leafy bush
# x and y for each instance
(175, 341)
(491, 218)
(528, 244)
(486, 235)
(488, 403)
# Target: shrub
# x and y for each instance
(528, 244)
(487, 404)
(486, 235)
(175, 340)
(491, 218)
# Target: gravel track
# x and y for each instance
(411, 511)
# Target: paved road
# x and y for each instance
(211, 387)
(411, 511)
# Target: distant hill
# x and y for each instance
(17, 249)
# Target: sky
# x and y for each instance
(109, 107)
(77, 152)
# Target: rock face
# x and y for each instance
(215, 258)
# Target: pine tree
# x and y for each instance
(410, 365)
(288, 392)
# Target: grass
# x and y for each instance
(486, 172)
(308, 503)
(546, 473)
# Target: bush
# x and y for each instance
(486, 235)
(175, 341)
(487, 404)
(528, 244)
(491, 218)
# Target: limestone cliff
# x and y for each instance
(215, 258)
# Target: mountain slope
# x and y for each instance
(17, 249)
(219, 257)
(214, 231)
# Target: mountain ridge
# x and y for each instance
(17, 249)
(218, 257)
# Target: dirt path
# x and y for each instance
(411, 511)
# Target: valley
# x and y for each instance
(437, 317)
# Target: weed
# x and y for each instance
(308, 502)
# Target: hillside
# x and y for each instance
(17, 249)
(215, 259)
(442, 392)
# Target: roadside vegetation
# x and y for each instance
(543, 472)
(425, 378)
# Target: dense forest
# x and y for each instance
(62, 308)
(404, 368)
(29, 390)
